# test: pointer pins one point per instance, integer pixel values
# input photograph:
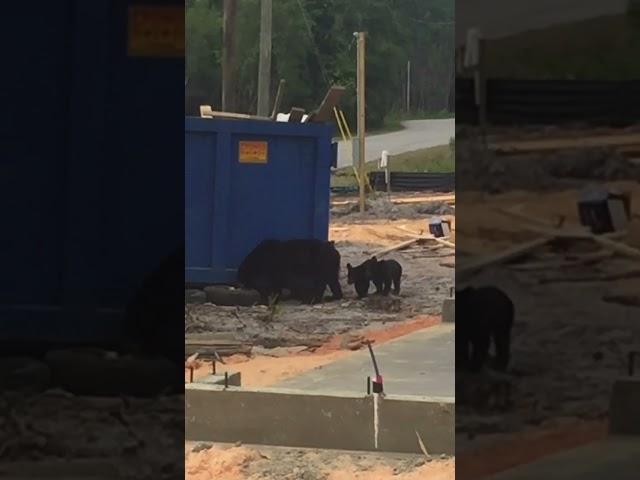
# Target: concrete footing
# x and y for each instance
(449, 310)
(625, 407)
(331, 420)
(233, 379)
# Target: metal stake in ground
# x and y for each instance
(377, 381)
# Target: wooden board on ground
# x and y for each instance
(325, 110)
(501, 257)
(553, 144)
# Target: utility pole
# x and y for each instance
(229, 55)
(361, 115)
(264, 69)
(408, 85)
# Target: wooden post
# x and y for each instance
(264, 68)
(228, 55)
(361, 116)
(482, 91)
(408, 85)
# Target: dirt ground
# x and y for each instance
(570, 343)
(223, 462)
(427, 278)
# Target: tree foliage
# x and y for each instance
(313, 47)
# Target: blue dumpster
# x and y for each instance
(247, 181)
(92, 201)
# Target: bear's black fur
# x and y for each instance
(303, 266)
(483, 315)
(358, 276)
(383, 274)
(155, 315)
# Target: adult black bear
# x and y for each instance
(484, 315)
(383, 274)
(155, 314)
(303, 266)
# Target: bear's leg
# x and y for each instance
(386, 286)
(396, 285)
(502, 343)
(481, 344)
(379, 286)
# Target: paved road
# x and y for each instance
(421, 363)
(416, 135)
(616, 458)
(500, 18)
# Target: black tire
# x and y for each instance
(230, 296)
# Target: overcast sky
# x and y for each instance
(499, 18)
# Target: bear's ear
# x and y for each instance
(374, 259)
(349, 267)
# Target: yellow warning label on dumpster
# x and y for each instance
(156, 31)
(253, 152)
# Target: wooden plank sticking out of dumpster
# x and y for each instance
(325, 110)
(207, 112)
(296, 114)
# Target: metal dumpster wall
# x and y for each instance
(232, 206)
(89, 155)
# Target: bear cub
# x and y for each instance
(383, 273)
(484, 316)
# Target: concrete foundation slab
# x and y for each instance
(421, 364)
(234, 379)
(616, 458)
(449, 310)
(292, 418)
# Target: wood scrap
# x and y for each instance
(207, 112)
(617, 247)
(625, 300)
(208, 346)
(554, 144)
(296, 114)
(325, 110)
(398, 246)
(441, 241)
(603, 277)
(504, 256)
(278, 99)
(562, 263)
(448, 264)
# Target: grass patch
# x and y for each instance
(438, 159)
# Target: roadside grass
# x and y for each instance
(440, 159)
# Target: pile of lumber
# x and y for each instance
(296, 115)
(609, 245)
(208, 345)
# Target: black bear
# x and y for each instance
(359, 277)
(303, 266)
(484, 315)
(155, 314)
(383, 274)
